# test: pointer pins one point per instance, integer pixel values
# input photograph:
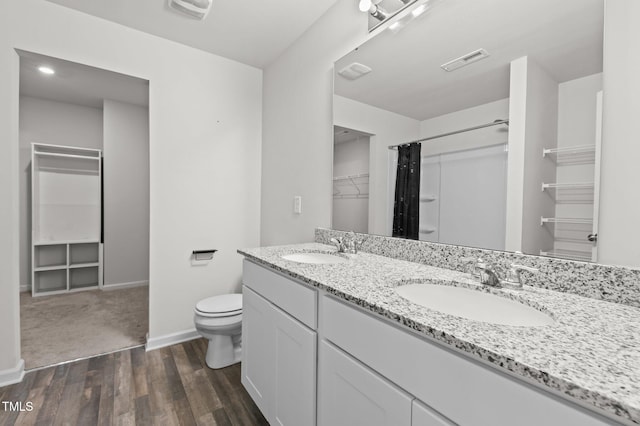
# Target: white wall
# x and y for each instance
(469, 117)
(619, 200)
(205, 134)
(541, 132)
(126, 193)
(351, 158)
(297, 101)
(387, 128)
(533, 115)
(55, 123)
(10, 362)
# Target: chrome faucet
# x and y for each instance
(513, 279)
(489, 277)
(352, 245)
(346, 245)
(339, 243)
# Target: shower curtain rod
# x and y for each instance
(493, 123)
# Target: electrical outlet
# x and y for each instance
(297, 204)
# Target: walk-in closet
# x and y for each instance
(84, 216)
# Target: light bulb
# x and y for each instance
(365, 5)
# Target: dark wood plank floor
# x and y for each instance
(168, 386)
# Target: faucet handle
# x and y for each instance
(472, 263)
(338, 242)
(513, 276)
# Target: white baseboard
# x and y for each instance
(12, 375)
(171, 339)
(120, 286)
(25, 287)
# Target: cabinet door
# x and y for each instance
(421, 415)
(295, 372)
(351, 394)
(257, 349)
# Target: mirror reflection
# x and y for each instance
(475, 123)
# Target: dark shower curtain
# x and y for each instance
(406, 206)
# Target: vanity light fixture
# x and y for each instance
(382, 11)
(46, 70)
(198, 9)
(374, 10)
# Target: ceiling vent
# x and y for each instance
(354, 70)
(198, 9)
(464, 60)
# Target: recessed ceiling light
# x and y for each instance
(46, 70)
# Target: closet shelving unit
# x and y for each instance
(570, 193)
(576, 237)
(66, 219)
(351, 186)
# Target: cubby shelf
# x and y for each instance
(60, 277)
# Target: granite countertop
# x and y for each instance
(590, 353)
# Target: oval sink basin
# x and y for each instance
(317, 258)
(473, 305)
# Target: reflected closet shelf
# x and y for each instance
(584, 256)
(584, 154)
(351, 186)
(566, 220)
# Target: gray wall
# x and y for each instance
(126, 194)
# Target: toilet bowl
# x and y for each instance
(219, 320)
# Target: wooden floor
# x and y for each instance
(168, 386)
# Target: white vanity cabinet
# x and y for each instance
(462, 390)
(372, 371)
(279, 350)
(351, 394)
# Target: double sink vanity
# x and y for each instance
(371, 339)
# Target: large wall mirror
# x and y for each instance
(505, 99)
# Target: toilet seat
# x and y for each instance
(226, 305)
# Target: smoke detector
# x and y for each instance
(354, 70)
(198, 9)
(464, 60)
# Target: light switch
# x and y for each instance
(297, 204)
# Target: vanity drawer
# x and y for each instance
(461, 389)
(293, 297)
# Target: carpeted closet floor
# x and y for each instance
(76, 325)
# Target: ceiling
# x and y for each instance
(342, 134)
(254, 32)
(78, 84)
(563, 37)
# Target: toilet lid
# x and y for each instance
(226, 304)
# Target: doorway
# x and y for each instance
(350, 180)
(84, 210)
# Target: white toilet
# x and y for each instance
(219, 320)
